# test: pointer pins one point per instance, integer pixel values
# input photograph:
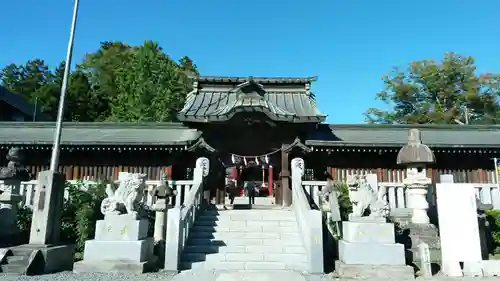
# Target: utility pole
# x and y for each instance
(54, 160)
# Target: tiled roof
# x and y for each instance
(397, 135)
(42, 133)
(21, 104)
(260, 80)
(282, 99)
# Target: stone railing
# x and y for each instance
(313, 188)
(309, 219)
(181, 218)
(487, 193)
(28, 190)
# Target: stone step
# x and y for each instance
(14, 259)
(230, 218)
(373, 272)
(293, 241)
(223, 235)
(21, 251)
(13, 268)
(245, 257)
(243, 223)
(245, 228)
(258, 249)
(224, 265)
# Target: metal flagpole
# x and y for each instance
(497, 171)
(54, 160)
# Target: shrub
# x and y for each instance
(78, 217)
(345, 204)
(493, 218)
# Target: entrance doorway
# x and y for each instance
(260, 176)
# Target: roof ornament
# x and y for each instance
(415, 152)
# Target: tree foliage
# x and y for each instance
(446, 92)
(117, 82)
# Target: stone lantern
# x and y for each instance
(416, 156)
(10, 197)
(163, 194)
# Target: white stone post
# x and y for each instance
(401, 198)
(392, 197)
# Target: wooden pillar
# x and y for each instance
(168, 170)
(270, 181)
(218, 180)
(286, 191)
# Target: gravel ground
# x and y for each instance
(163, 276)
(184, 276)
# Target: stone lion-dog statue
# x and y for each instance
(125, 198)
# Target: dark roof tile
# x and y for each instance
(397, 135)
(42, 133)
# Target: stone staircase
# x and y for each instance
(257, 239)
(18, 260)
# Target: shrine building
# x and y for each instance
(235, 121)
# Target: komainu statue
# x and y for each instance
(125, 199)
(364, 197)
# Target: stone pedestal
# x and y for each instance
(416, 194)
(368, 249)
(120, 244)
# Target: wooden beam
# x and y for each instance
(286, 192)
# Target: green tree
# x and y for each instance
(150, 86)
(34, 81)
(101, 68)
(117, 82)
(439, 93)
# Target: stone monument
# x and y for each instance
(10, 197)
(367, 249)
(416, 227)
(121, 242)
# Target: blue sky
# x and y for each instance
(348, 44)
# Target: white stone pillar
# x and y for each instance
(446, 179)
(400, 197)
(392, 197)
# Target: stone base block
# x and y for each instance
(135, 251)
(371, 253)
(121, 228)
(374, 272)
(54, 258)
(114, 266)
(373, 232)
(413, 256)
(353, 218)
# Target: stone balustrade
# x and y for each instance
(309, 220)
(487, 193)
(28, 189)
(313, 189)
(181, 218)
